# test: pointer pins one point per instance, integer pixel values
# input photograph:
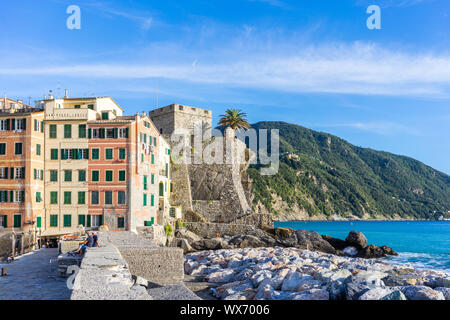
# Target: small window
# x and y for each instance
(108, 197)
(82, 131)
(95, 175)
(105, 115)
(81, 197)
(94, 197)
(81, 175)
(38, 197)
(67, 131)
(91, 106)
(67, 197)
(109, 175)
(53, 220)
(120, 222)
(67, 220)
(122, 153)
(122, 175)
(67, 175)
(18, 148)
(145, 200)
(53, 175)
(52, 133)
(95, 154)
(53, 197)
(109, 154)
(2, 149)
(38, 149)
(77, 106)
(121, 197)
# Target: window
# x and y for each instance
(145, 200)
(109, 154)
(122, 153)
(82, 220)
(38, 149)
(4, 172)
(153, 158)
(123, 133)
(77, 106)
(121, 175)
(145, 182)
(18, 148)
(95, 175)
(105, 116)
(67, 197)
(81, 175)
(2, 149)
(154, 141)
(38, 174)
(94, 197)
(167, 170)
(153, 178)
(19, 196)
(54, 154)
(109, 175)
(121, 197)
(53, 197)
(81, 197)
(38, 222)
(142, 157)
(120, 222)
(83, 154)
(52, 133)
(37, 125)
(53, 175)
(145, 138)
(82, 131)
(19, 173)
(20, 124)
(17, 220)
(67, 131)
(96, 220)
(53, 220)
(95, 154)
(67, 220)
(110, 133)
(172, 212)
(95, 133)
(67, 175)
(91, 106)
(152, 200)
(108, 197)
(4, 125)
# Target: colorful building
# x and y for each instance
(71, 162)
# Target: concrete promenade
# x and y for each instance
(33, 277)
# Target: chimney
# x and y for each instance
(65, 94)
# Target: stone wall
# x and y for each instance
(212, 230)
(20, 243)
(162, 266)
(155, 233)
(6, 244)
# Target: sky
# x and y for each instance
(312, 63)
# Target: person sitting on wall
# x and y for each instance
(90, 240)
(95, 237)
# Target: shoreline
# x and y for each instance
(296, 274)
(359, 220)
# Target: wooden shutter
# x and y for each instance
(88, 224)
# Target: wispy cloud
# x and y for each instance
(355, 69)
(275, 3)
(377, 127)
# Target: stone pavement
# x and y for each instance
(33, 277)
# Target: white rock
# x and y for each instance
(293, 280)
(226, 275)
(375, 294)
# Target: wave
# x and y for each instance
(417, 260)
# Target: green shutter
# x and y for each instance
(116, 133)
(89, 133)
(67, 197)
(67, 131)
(81, 197)
(154, 141)
(95, 154)
(53, 197)
(82, 220)
(38, 222)
(38, 197)
(100, 220)
(152, 200)
(153, 158)
(120, 222)
(5, 221)
(122, 175)
(53, 220)
(145, 182)
(53, 175)
(42, 126)
(54, 154)
(23, 195)
(126, 132)
(109, 154)
(145, 200)
(88, 223)
(53, 131)
(82, 131)
(109, 175)
(67, 220)
(17, 221)
(67, 175)
(82, 175)
(102, 133)
(95, 175)
(122, 153)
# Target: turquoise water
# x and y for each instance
(424, 244)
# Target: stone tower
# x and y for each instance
(174, 116)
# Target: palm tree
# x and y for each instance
(235, 119)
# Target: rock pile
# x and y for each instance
(275, 273)
(354, 245)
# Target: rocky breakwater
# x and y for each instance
(275, 273)
(355, 245)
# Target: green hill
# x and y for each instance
(332, 177)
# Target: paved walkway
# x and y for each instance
(33, 277)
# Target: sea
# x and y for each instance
(423, 244)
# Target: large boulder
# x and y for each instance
(356, 239)
(362, 282)
(247, 241)
(422, 293)
(375, 293)
(395, 295)
(210, 244)
(338, 244)
(373, 252)
(445, 292)
(283, 233)
(311, 240)
(188, 235)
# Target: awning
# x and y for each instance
(53, 233)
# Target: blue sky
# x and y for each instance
(313, 63)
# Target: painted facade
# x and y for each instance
(80, 161)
